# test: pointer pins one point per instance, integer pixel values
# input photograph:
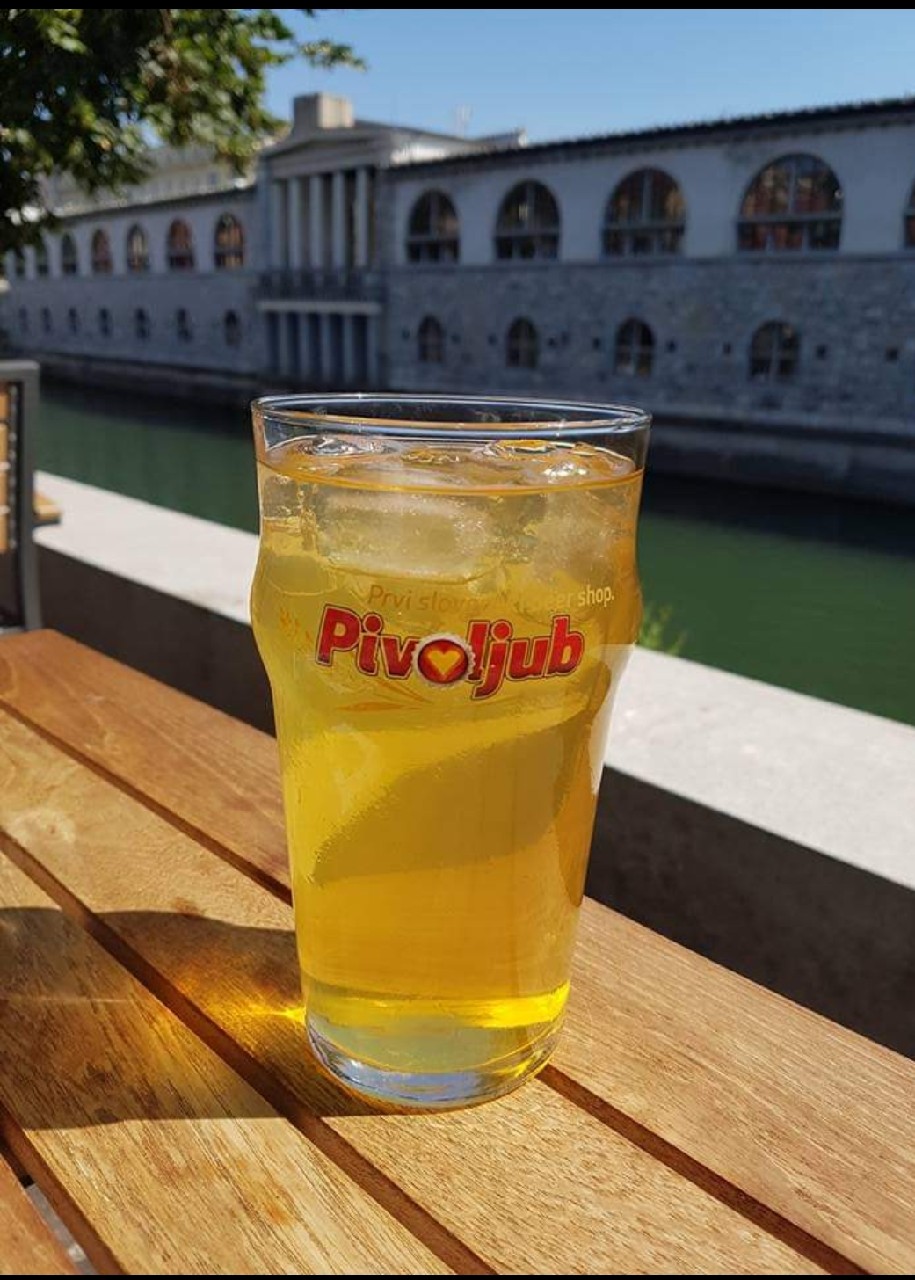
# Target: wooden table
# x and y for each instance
(152, 1086)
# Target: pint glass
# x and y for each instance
(445, 597)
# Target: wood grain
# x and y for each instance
(214, 773)
(28, 1246)
(805, 1116)
(796, 1112)
(532, 1183)
(155, 1153)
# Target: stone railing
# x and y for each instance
(760, 827)
(338, 284)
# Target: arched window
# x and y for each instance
(774, 352)
(231, 328)
(18, 264)
(23, 320)
(633, 351)
(430, 341)
(69, 258)
(46, 322)
(73, 320)
(183, 328)
(104, 322)
(794, 203)
(909, 232)
(228, 244)
(522, 345)
(137, 249)
(645, 214)
(180, 247)
(433, 234)
(141, 324)
(528, 223)
(100, 254)
(42, 266)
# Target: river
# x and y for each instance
(812, 593)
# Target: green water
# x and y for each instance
(813, 593)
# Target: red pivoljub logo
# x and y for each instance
(489, 654)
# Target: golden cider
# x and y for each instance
(443, 631)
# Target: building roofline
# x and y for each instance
(359, 131)
(137, 206)
(409, 128)
(878, 109)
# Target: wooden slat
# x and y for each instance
(157, 1155)
(28, 1246)
(216, 774)
(532, 1183)
(811, 1119)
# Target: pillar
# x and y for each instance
(371, 352)
(315, 222)
(285, 354)
(328, 354)
(363, 213)
(277, 224)
(338, 220)
(294, 222)
(305, 352)
(349, 365)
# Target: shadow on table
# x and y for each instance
(82, 1042)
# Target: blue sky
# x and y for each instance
(562, 72)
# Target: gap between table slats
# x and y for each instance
(28, 1245)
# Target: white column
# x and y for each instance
(315, 222)
(371, 351)
(292, 343)
(277, 224)
(294, 222)
(306, 350)
(283, 354)
(338, 220)
(273, 340)
(328, 354)
(348, 330)
(363, 213)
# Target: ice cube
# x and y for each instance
(404, 534)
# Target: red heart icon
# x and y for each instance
(442, 660)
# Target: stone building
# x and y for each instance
(199, 276)
(162, 275)
(752, 281)
(322, 291)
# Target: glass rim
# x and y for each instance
(568, 419)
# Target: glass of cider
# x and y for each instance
(445, 598)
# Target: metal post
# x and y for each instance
(23, 378)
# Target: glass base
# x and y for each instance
(432, 1090)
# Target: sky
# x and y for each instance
(564, 72)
